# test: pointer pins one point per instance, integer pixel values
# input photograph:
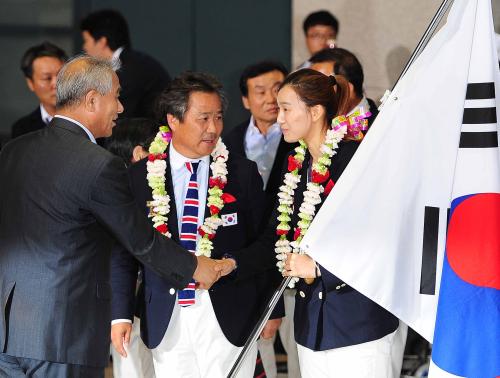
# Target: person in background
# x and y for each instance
(106, 35)
(338, 61)
(260, 139)
(40, 65)
(320, 29)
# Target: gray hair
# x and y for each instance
(175, 98)
(79, 76)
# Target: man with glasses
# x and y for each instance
(320, 29)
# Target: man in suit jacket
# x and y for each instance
(105, 34)
(260, 139)
(40, 65)
(204, 338)
(339, 61)
(62, 200)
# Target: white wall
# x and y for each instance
(381, 33)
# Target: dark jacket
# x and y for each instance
(236, 299)
(142, 79)
(235, 142)
(328, 314)
(63, 200)
(26, 124)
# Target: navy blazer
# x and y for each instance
(237, 298)
(328, 313)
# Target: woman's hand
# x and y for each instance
(301, 266)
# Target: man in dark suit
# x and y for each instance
(260, 139)
(105, 34)
(40, 65)
(201, 338)
(338, 61)
(62, 200)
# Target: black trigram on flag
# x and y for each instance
(480, 117)
(430, 248)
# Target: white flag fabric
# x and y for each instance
(383, 227)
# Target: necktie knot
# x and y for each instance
(192, 166)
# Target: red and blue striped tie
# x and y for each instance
(189, 229)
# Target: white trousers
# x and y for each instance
(287, 335)
(380, 358)
(139, 361)
(194, 346)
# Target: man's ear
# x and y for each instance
(29, 83)
(91, 101)
(172, 121)
(244, 99)
(103, 42)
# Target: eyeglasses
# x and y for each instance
(320, 36)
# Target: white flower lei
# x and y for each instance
(312, 194)
(159, 207)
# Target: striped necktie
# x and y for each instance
(189, 229)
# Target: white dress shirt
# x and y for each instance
(262, 148)
(46, 117)
(180, 180)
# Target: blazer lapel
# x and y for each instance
(172, 215)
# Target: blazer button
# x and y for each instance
(320, 295)
(172, 291)
(302, 294)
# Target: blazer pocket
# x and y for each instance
(103, 290)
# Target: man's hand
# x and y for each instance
(270, 328)
(207, 272)
(227, 266)
(120, 335)
(301, 266)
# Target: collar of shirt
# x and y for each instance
(87, 131)
(262, 148)
(362, 104)
(180, 180)
(46, 117)
(116, 54)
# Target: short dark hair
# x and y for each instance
(258, 69)
(107, 23)
(128, 133)
(38, 51)
(322, 17)
(345, 64)
(175, 98)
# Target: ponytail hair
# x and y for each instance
(314, 88)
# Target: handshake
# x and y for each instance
(208, 271)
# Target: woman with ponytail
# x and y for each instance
(339, 331)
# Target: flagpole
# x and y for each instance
(443, 8)
(259, 327)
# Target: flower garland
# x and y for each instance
(159, 207)
(341, 125)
